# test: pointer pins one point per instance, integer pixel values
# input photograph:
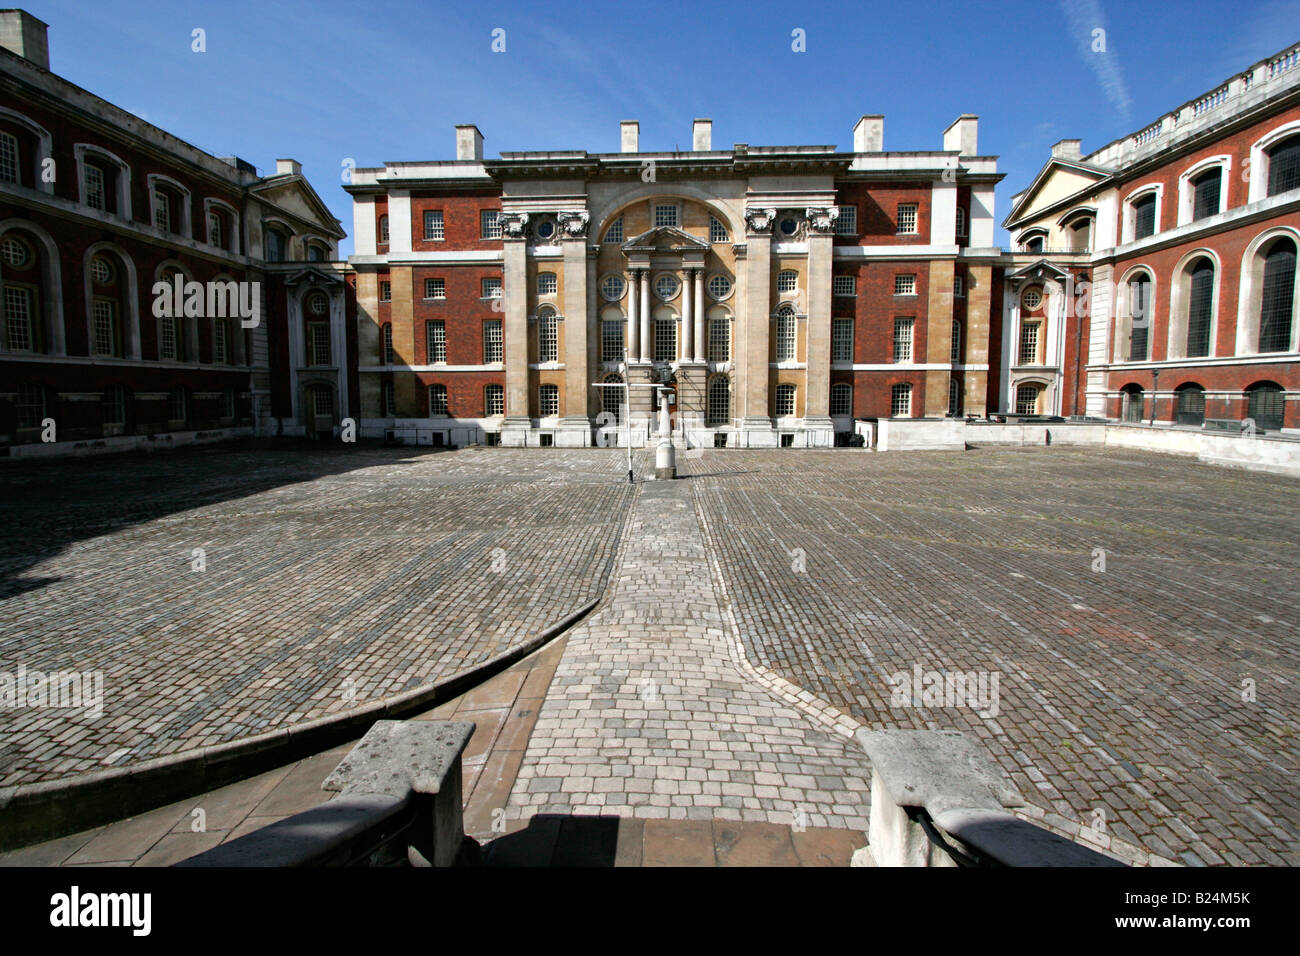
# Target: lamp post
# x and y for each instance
(1155, 391)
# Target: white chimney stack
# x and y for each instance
(629, 136)
(702, 135)
(869, 134)
(288, 167)
(23, 34)
(469, 143)
(963, 135)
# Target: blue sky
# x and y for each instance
(326, 81)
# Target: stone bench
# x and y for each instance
(932, 787)
(399, 794)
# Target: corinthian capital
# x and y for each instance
(821, 219)
(760, 220)
(513, 223)
(574, 223)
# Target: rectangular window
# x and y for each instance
(548, 283)
(787, 281)
(176, 405)
(105, 327)
(665, 341)
(611, 341)
(168, 338)
(220, 343)
(228, 403)
(95, 192)
(844, 285)
(903, 340)
(955, 354)
(320, 343)
(958, 285)
(786, 335)
(905, 285)
(494, 400)
(490, 224)
(548, 339)
(385, 292)
(435, 288)
(114, 405)
(841, 340)
(162, 210)
(435, 333)
(322, 402)
(548, 400)
(8, 158)
(720, 340)
(841, 399)
(433, 224)
(18, 318)
(900, 401)
(214, 230)
(390, 400)
(784, 400)
(437, 400)
(665, 215)
(907, 219)
(1144, 217)
(1199, 314)
(1029, 343)
(388, 343)
(491, 288)
(961, 223)
(846, 224)
(493, 347)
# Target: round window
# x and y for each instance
(15, 252)
(719, 287)
(612, 288)
(318, 303)
(100, 270)
(666, 287)
(788, 226)
(1032, 299)
(546, 229)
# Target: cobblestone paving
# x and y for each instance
(648, 715)
(1120, 710)
(334, 576)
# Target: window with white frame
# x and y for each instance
(956, 342)
(1027, 399)
(494, 400)
(9, 162)
(903, 339)
(548, 283)
(383, 228)
(718, 408)
(665, 214)
(1283, 166)
(844, 285)
(717, 231)
(1031, 299)
(611, 340)
(162, 210)
(386, 344)
(437, 401)
(548, 401)
(435, 288)
(220, 342)
(101, 270)
(907, 218)
(904, 285)
(1277, 297)
(954, 397)
(1205, 190)
(784, 400)
(841, 340)
(320, 343)
(176, 405)
(961, 222)
(786, 334)
(667, 287)
(841, 399)
(114, 405)
(169, 338)
(322, 400)
(548, 341)
(96, 192)
(1139, 294)
(900, 401)
(719, 287)
(385, 291)
(665, 340)
(1144, 215)
(433, 227)
(106, 332)
(18, 317)
(787, 280)
(389, 400)
(959, 285)
(1029, 343)
(215, 232)
(1200, 310)
(719, 340)
(435, 336)
(491, 288)
(493, 344)
(30, 405)
(846, 223)
(612, 288)
(615, 231)
(490, 224)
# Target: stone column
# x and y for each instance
(576, 430)
(518, 422)
(688, 316)
(700, 344)
(633, 342)
(752, 403)
(645, 315)
(818, 342)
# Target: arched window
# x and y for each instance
(437, 401)
(1277, 302)
(1139, 303)
(316, 252)
(1078, 233)
(1133, 403)
(276, 244)
(1265, 404)
(1205, 193)
(108, 284)
(719, 337)
(786, 348)
(718, 410)
(785, 400)
(1283, 165)
(548, 337)
(494, 400)
(611, 399)
(548, 401)
(20, 270)
(1033, 240)
(1200, 308)
(615, 231)
(956, 342)
(841, 399)
(1027, 398)
(1191, 404)
(954, 397)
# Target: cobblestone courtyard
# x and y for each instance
(1125, 602)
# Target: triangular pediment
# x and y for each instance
(312, 276)
(665, 239)
(1042, 269)
(1058, 180)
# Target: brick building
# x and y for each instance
(97, 207)
(780, 292)
(1154, 279)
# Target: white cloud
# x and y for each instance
(1098, 51)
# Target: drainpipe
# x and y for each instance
(1155, 387)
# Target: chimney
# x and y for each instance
(629, 136)
(469, 143)
(702, 134)
(23, 34)
(963, 135)
(869, 134)
(1068, 149)
(289, 167)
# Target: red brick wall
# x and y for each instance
(878, 212)
(460, 218)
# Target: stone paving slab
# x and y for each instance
(648, 715)
(332, 576)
